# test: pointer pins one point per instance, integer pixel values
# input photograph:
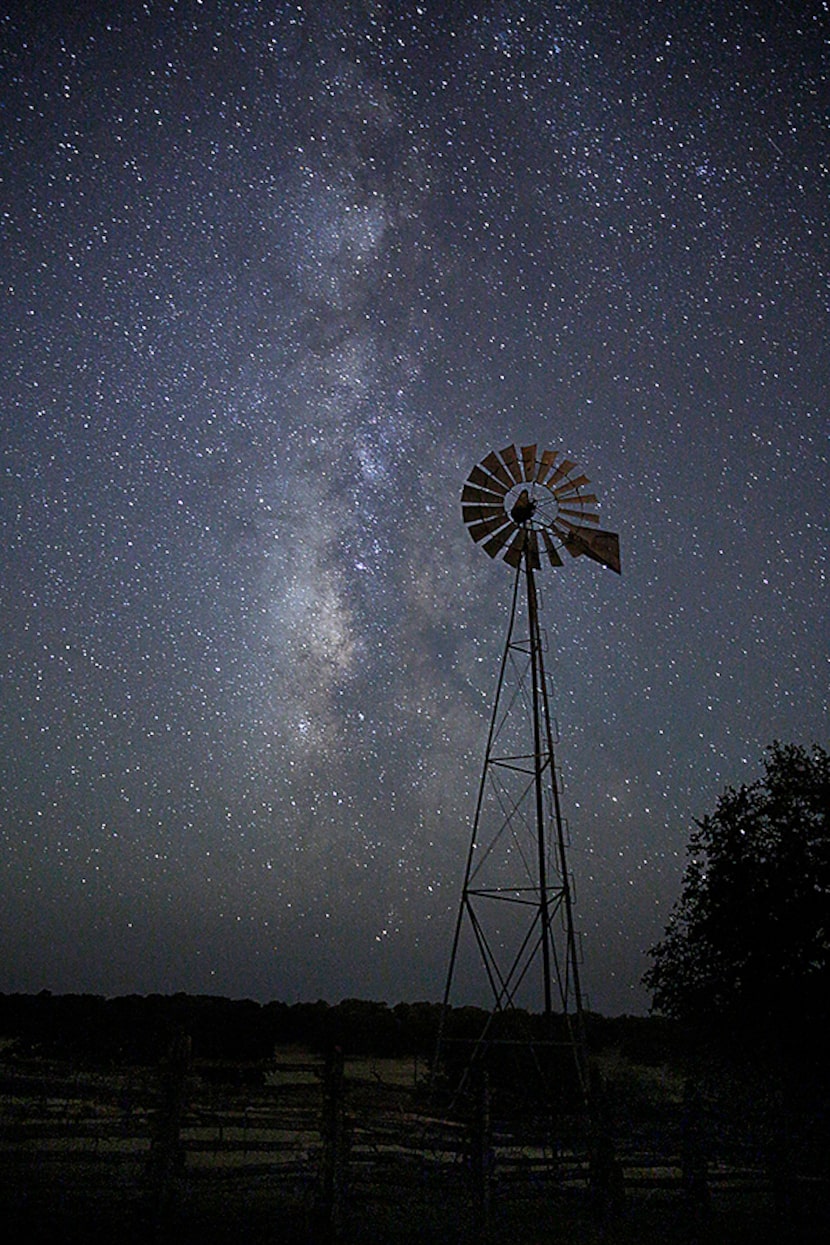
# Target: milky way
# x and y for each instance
(275, 277)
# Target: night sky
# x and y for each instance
(274, 278)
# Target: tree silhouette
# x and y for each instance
(746, 954)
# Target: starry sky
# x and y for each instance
(275, 276)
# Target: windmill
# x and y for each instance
(514, 930)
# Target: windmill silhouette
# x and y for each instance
(514, 930)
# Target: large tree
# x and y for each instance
(746, 954)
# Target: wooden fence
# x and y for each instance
(325, 1136)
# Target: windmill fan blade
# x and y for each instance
(533, 545)
(470, 494)
(529, 461)
(511, 460)
(581, 514)
(561, 470)
(550, 549)
(495, 466)
(472, 514)
(545, 464)
(577, 499)
(483, 480)
(479, 530)
(571, 486)
(602, 547)
(497, 542)
(514, 553)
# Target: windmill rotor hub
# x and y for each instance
(523, 508)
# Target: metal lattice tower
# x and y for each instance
(515, 922)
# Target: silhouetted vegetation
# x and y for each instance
(744, 971)
(93, 1030)
(745, 960)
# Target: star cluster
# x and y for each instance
(275, 276)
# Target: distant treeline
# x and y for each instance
(138, 1028)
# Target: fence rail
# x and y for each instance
(314, 1127)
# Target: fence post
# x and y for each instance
(786, 1204)
(165, 1160)
(606, 1182)
(481, 1151)
(605, 1176)
(694, 1164)
(335, 1150)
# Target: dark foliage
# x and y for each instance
(137, 1029)
(97, 1031)
(746, 955)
